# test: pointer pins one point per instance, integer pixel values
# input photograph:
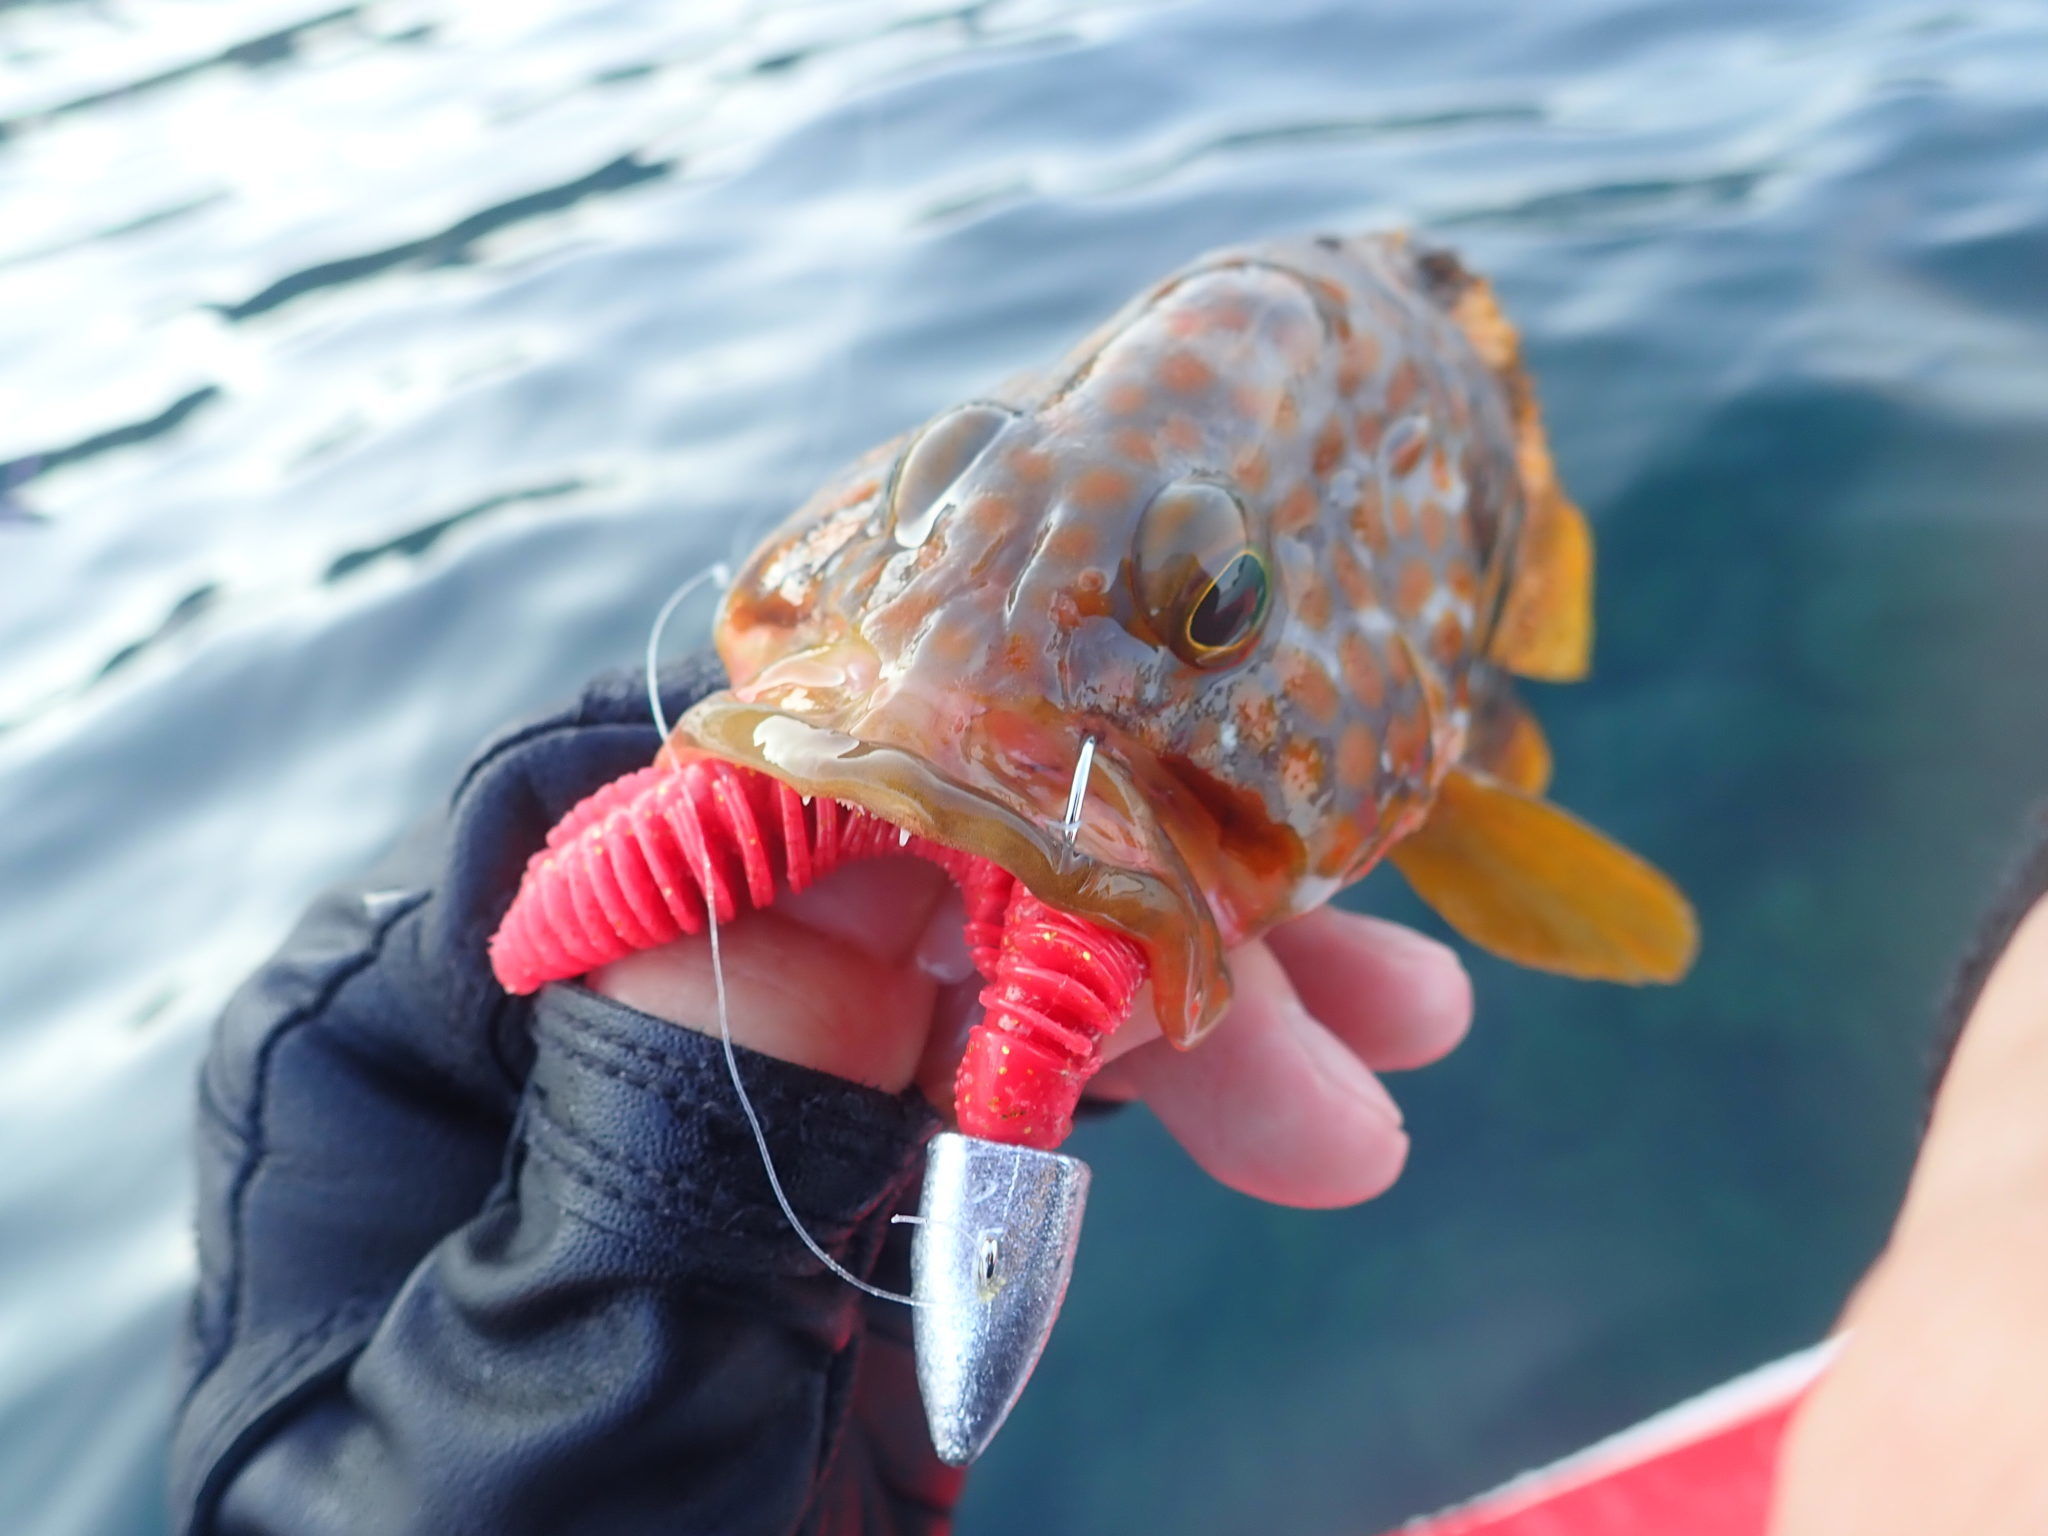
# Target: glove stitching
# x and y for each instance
(824, 1126)
(686, 1193)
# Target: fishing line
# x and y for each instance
(838, 387)
(837, 382)
(732, 1069)
(720, 573)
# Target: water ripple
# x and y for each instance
(1279, 139)
(1608, 202)
(19, 471)
(415, 542)
(184, 613)
(456, 243)
(260, 52)
(209, 607)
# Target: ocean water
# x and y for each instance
(369, 372)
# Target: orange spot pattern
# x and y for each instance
(1311, 687)
(1436, 523)
(1447, 641)
(1072, 544)
(1099, 489)
(1401, 389)
(1301, 769)
(1329, 448)
(1353, 583)
(1229, 372)
(1183, 373)
(1124, 400)
(1357, 757)
(1296, 513)
(1363, 678)
(1134, 447)
(1312, 604)
(1030, 466)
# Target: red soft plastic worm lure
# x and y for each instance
(634, 865)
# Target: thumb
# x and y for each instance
(824, 978)
(1932, 1417)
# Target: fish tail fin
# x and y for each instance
(1533, 884)
(1545, 624)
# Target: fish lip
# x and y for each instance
(1161, 907)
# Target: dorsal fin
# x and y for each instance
(1517, 876)
(1545, 628)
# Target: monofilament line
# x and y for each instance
(722, 574)
(718, 571)
(732, 1067)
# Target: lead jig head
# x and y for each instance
(997, 1229)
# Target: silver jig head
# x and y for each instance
(996, 1234)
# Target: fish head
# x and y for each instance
(1183, 547)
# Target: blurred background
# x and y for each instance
(368, 374)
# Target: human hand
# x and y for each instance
(865, 975)
(1935, 1414)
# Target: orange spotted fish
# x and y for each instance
(1252, 571)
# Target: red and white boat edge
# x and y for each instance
(1702, 1468)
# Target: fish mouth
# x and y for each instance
(1120, 867)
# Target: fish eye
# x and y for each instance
(1202, 585)
(933, 465)
(1230, 610)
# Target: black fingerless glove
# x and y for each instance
(477, 1263)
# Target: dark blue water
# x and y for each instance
(367, 374)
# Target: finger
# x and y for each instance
(1141, 1028)
(880, 907)
(958, 1010)
(1271, 1103)
(820, 979)
(1396, 997)
(1988, 1141)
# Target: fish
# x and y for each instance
(1271, 547)
(1149, 652)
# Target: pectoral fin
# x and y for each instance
(1509, 744)
(1517, 876)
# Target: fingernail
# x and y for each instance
(1440, 991)
(1374, 1092)
(956, 1009)
(942, 952)
(880, 908)
(1340, 1065)
(1412, 948)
